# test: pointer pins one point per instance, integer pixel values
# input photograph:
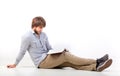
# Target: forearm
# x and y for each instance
(19, 57)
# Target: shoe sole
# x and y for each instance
(105, 65)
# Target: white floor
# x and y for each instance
(32, 71)
(27, 68)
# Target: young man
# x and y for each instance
(37, 44)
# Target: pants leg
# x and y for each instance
(55, 60)
(52, 60)
(77, 60)
(90, 67)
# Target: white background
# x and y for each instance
(88, 28)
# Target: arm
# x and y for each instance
(24, 46)
(48, 44)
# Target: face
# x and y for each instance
(38, 29)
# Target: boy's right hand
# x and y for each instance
(11, 66)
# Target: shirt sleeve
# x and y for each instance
(25, 42)
(48, 44)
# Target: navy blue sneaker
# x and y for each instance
(102, 59)
(104, 65)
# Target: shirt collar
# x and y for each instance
(32, 31)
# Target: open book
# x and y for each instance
(56, 51)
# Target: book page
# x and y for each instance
(55, 51)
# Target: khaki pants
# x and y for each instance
(66, 59)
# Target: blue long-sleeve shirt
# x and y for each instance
(37, 47)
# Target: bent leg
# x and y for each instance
(52, 60)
